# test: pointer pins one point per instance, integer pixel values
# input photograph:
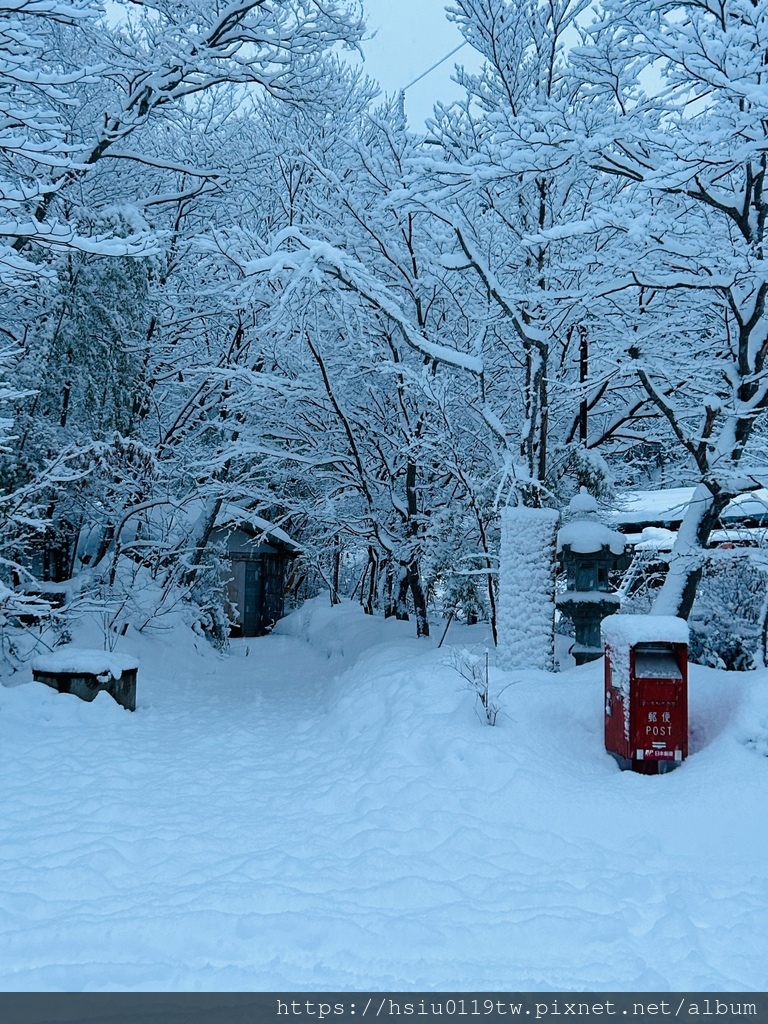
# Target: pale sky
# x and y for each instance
(412, 35)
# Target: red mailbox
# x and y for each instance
(646, 691)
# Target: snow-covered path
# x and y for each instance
(333, 815)
(147, 842)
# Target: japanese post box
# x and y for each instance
(646, 691)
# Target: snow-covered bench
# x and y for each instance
(86, 673)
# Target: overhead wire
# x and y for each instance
(430, 70)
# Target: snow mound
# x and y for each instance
(340, 631)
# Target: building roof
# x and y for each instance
(234, 516)
(635, 510)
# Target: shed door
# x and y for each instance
(252, 599)
(236, 588)
(272, 566)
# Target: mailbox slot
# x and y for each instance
(656, 661)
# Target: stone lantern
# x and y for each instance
(587, 551)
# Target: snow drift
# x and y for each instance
(324, 808)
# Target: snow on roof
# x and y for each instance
(80, 661)
(234, 515)
(669, 505)
(585, 537)
(746, 537)
(656, 538)
(624, 631)
(659, 539)
(748, 506)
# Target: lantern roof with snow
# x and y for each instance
(583, 503)
(585, 534)
(585, 538)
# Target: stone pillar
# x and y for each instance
(526, 618)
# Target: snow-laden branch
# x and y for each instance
(321, 256)
(60, 237)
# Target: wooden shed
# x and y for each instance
(258, 553)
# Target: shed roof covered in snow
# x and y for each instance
(233, 517)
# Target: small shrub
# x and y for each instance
(726, 621)
(474, 669)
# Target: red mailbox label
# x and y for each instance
(659, 727)
(649, 754)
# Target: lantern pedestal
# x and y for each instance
(588, 551)
(586, 610)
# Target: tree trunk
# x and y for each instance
(419, 599)
(369, 598)
(412, 569)
(492, 605)
(583, 379)
(204, 529)
(107, 536)
(686, 562)
(335, 599)
(401, 601)
(388, 587)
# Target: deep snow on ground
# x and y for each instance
(323, 808)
